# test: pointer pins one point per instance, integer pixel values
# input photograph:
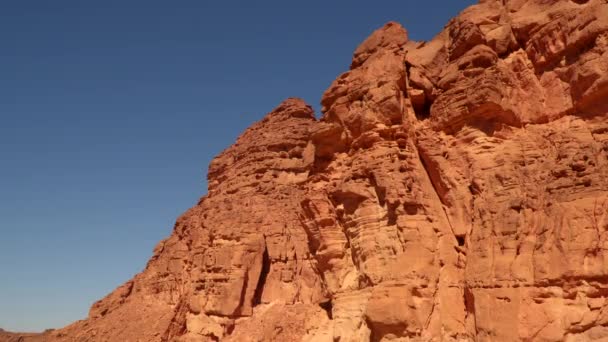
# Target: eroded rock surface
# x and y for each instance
(454, 190)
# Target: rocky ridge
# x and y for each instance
(453, 190)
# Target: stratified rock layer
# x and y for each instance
(454, 190)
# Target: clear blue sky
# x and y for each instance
(111, 111)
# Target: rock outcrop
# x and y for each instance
(453, 190)
(7, 336)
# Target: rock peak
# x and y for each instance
(293, 107)
(391, 36)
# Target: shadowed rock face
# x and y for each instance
(454, 190)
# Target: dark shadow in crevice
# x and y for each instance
(230, 329)
(474, 189)
(392, 214)
(257, 295)
(410, 208)
(460, 239)
(320, 164)
(423, 112)
(328, 307)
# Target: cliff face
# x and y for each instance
(454, 190)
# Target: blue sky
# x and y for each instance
(111, 111)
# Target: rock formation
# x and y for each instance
(453, 190)
(6, 336)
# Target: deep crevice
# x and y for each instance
(411, 208)
(426, 168)
(392, 214)
(460, 239)
(421, 111)
(259, 289)
(474, 189)
(320, 164)
(177, 327)
(469, 305)
(239, 311)
(230, 329)
(327, 306)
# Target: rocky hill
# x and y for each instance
(453, 190)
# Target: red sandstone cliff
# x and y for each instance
(454, 190)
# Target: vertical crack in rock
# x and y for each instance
(391, 214)
(259, 289)
(432, 180)
(416, 99)
(177, 326)
(469, 305)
